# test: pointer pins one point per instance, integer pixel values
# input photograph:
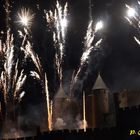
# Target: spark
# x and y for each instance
(24, 21)
(28, 50)
(137, 40)
(86, 55)
(58, 23)
(40, 75)
(89, 39)
(11, 79)
(84, 113)
(9, 62)
(98, 43)
(99, 26)
(131, 12)
(64, 23)
(35, 74)
(20, 81)
(25, 17)
(49, 105)
(22, 94)
(90, 35)
(130, 22)
(133, 18)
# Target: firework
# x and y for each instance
(132, 15)
(28, 50)
(99, 26)
(133, 18)
(89, 39)
(39, 74)
(58, 22)
(49, 105)
(11, 79)
(25, 17)
(21, 95)
(131, 11)
(35, 74)
(88, 47)
(137, 40)
(19, 83)
(8, 74)
(84, 113)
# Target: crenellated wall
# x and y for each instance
(128, 128)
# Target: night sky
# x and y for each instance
(117, 60)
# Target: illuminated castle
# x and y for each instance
(100, 106)
(105, 109)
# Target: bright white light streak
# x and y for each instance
(22, 94)
(137, 40)
(25, 17)
(99, 26)
(131, 12)
(98, 43)
(25, 21)
(64, 23)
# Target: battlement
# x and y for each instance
(98, 134)
(127, 121)
(128, 117)
(130, 108)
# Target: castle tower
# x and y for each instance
(65, 111)
(58, 102)
(99, 110)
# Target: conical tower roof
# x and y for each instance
(99, 83)
(61, 93)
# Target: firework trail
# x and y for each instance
(21, 95)
(84, 113)
(133, 17)
(25, 19)
(49, 105)
(137, 40)
(39, 74)
(28, 50)
(11, 79)
(91, 31)
(90, 35)
(57, 21)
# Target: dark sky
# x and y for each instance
(119, 66)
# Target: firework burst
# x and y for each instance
(11, 79)
(133, 17)
(39, 73)
(91, 31)
(58, 22)
(25, 17)
(88, 47)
